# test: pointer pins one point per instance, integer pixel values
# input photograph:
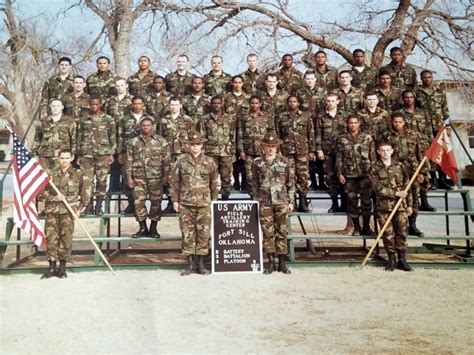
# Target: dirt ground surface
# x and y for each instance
(317, 310)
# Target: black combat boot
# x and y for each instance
(424, 205)
(153, 232)
(244, 185)
(433, 181)
(191, 266)
(142, 232)
(130, 209)
(391, 262)
(310, 246)
(62, 269)
(356, 223)
(90, 208)
(52, 271)
(322, 184)
(282, 264)
(98, 206)
(303, 203)
(366, 231)
(442, 182)
(271, 264)
(201, 269)
(225, 196)
(412, 228)
(402, 262)
(335, 205)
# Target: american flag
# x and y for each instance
(28, 181)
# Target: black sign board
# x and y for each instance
(236, 238)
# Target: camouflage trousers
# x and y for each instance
(195, 223)
(143, 188)
(395, 236)
(224, 167)
(415, 193)
(99, 168)
(330, 173)
(273, 222)
(298, 163)
(59, 229)
(358, 189)
(48, 164)
(248, 170)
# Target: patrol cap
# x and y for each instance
(271, 138)
(196, 138)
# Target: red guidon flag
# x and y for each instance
(29, 178)
(441, 152)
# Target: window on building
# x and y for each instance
(4, 136)
(470, 137)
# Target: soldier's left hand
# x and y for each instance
(342, 179)
(409, 211)
(58, 198)
(111, 159)
(311, 156)
(420, 178)
(290, 207)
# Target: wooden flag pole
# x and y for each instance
(394, 210)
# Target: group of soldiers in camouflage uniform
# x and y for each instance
(329, 124)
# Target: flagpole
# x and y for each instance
(395, 209)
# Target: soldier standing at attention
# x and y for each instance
(101, 82)
(295, 128)
(289, 78)
(363, 77)
(274, 190)
(403, 75)
(254, 124)
(354, 156)
(216, 82)
(74, 187)
(197, 104)
(157, 101)
(351, 99)
(178, 83)
(57, 86)
(140, 83)
(389, 178)
(390, 98)
(193, 187)
(253, 78)
(273, 99)
(374, 120)
(220, 131)
(76, 104)
(325, 74)
(147, 170)
(97, 144)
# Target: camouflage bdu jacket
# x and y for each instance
(273, 181)
(175, 131)
(408, 148)
(327, 77)
(52, 137)
(75, 187)
(403, 78)
(156, 105)
(97, 136)
(196, 107)
(220, 134)
(117, 108)
(434, 103)
(142, 87)
(233, 103)
(328, 128)
(76, 107)
(179, 85)
(128, 129)
(311, 100)
(374, 123)
(355, 155)
(253, 81)
(297, 133)
(385, 182)
(194, 181)
(275, 104)
(148, 158)
(56, 88)
(352, 101)
(101, 84)
(390, 101)
(419, 122)
(216, 85)
(365, 79)
(290, 83)
(251, 131)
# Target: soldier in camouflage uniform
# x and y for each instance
(374, 120)
(102, 82)
(219, 129)
(140, 83)
(76, 104)
(295, 128)
(351, 99)
(74, 188)
(289, 78)
(389, 178)
(253, 125)
(326, 75)
(236, 102)
(274, 190)
(403, 75)
(329, 125)
(408, 149)
(216, 82)
(96, 145)
(147, 169)
(254, 80)
(363, 77)
(58, 85)
(178, 83)
(432, 99)
(354, 156)
(273, 99)
(193, 186)
(390, 98)
(197, 104)
(157, 101)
